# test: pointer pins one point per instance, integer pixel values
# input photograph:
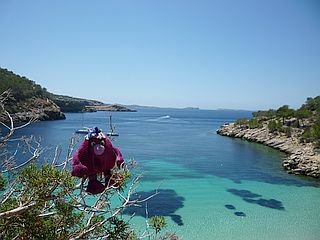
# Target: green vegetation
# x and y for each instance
(2, 182)
(304, 121)
(284, 119)
(287, 131)
(249, 123)
(21, 87)
(285, 112)
(157, 223)
(118, 229)
(271, 113)
(22, 90)
(312, 134)
(41, 185)
(254, 123)
(312, 104)
(242, 121)
(274, 126)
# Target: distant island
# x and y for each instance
(30, 100)
(295, 132)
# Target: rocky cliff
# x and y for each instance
(302, 158)
(39, 108)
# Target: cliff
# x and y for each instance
(26, 99)
(39, 108)
(302, 158)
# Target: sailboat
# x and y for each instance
(112, 133)
(83, 130)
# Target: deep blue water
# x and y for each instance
(212, 187)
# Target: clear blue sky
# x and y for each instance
(208, 54)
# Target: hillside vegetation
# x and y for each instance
(25, 99)
(22, 89)
(304, 122)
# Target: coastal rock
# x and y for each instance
(35, 108)
(302, 158)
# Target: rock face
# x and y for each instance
(302, 158)
(39, 108)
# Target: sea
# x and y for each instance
(210, 186)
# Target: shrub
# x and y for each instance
(287, 131)
(274, 126)
(241, 121)
(254, 123)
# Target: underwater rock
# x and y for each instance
(240, 214)
(229, 206)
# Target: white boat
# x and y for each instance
(112, 133)
(83, 130)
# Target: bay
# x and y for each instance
(211, 187)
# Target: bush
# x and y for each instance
(254, 123)
(287, 131)
(312, 134)
(306, 136)
(271, 113)
(274, 126)
(241, 121)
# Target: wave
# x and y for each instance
(159, 119)
(164, 117)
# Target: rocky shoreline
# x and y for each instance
(302, 158)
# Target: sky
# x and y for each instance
(233, 54)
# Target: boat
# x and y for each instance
(83, 130)
(112, 133)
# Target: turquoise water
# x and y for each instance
(211, 187)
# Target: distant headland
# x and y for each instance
(72, 104)
(30, 100)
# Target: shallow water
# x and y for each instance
(211, 187)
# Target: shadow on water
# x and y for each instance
(166, 203)
(251, 197)
(240, 214)
(270, 203)
(243, 193)
(229, 206)
(237, 213)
